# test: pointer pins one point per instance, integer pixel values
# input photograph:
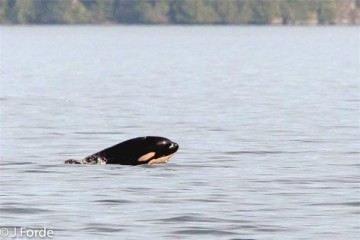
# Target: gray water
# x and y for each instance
(267, 119)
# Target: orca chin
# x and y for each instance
(136, 151)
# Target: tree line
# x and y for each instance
(179, 11)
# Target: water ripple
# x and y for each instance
(264, 152)
(113, 202)
(204, 231)
(100, 228)
(99, 133)
(17, 210)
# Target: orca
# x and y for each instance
(136, 151)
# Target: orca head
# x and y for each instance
(157, 150)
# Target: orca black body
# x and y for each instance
(142, 150)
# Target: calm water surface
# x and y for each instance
(267, 119)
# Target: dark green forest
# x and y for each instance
(179, 12)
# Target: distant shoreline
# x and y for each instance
(173, 25)
(184, 12)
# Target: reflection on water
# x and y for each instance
(267, 120)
